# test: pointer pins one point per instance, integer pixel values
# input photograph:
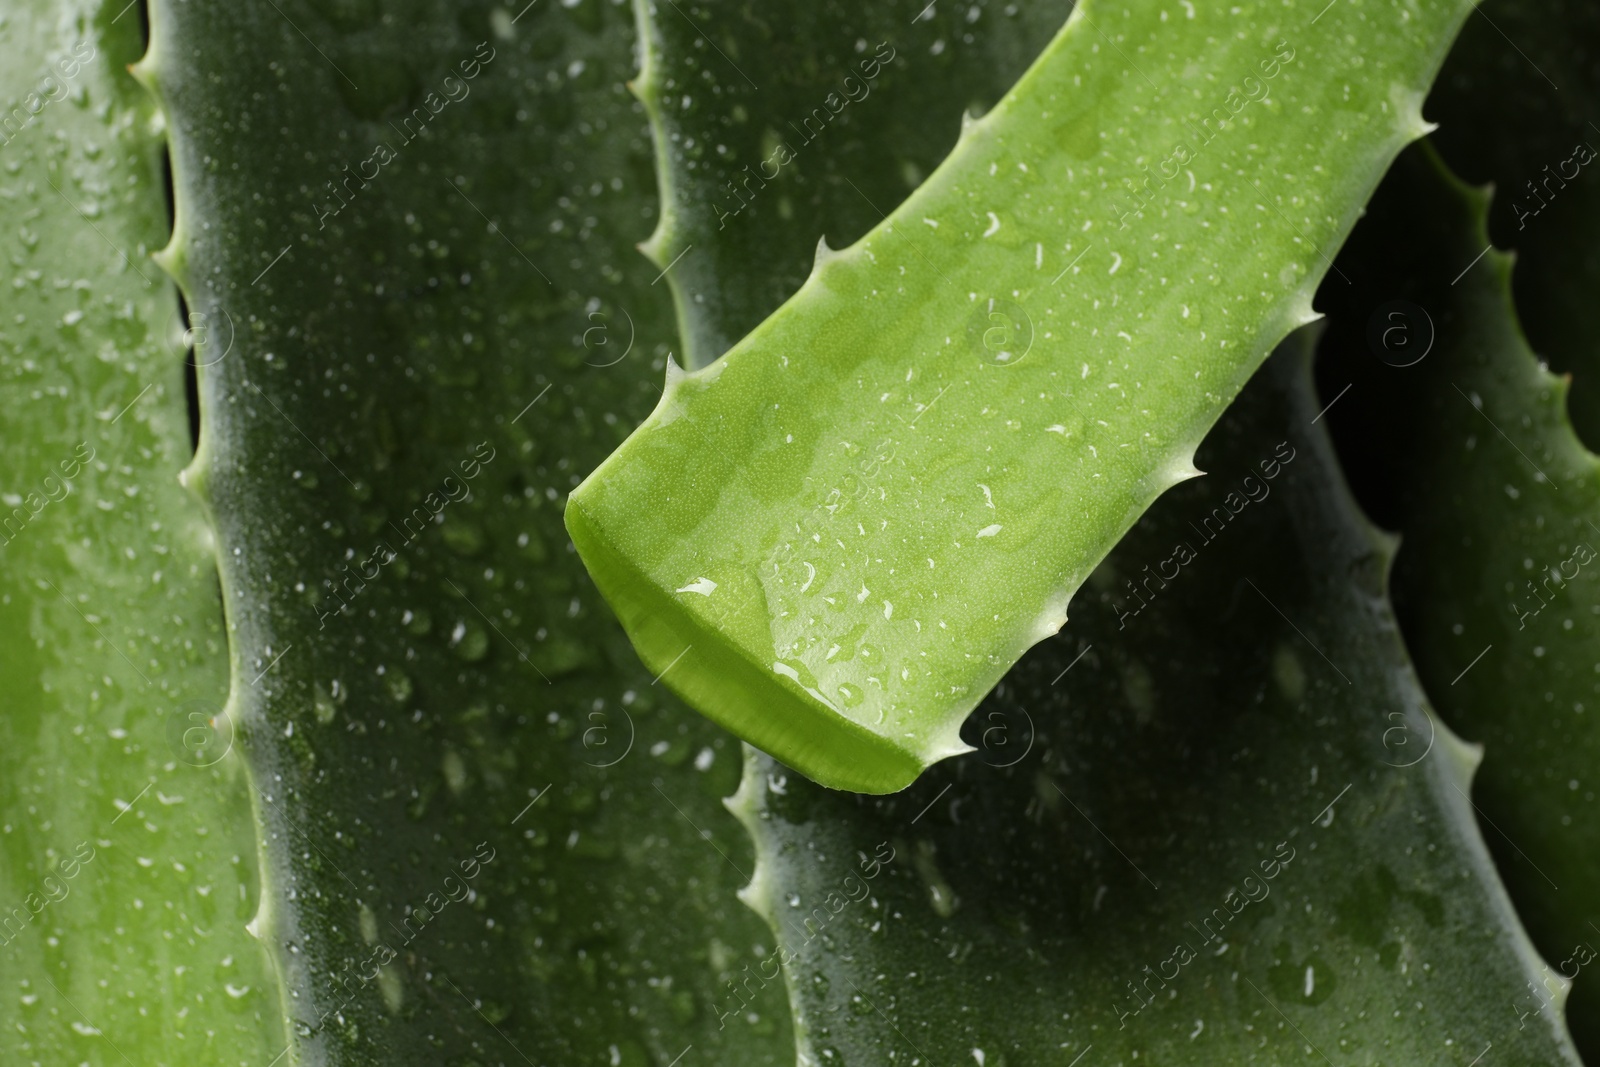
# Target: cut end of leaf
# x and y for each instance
(818, 517)
(767, 704)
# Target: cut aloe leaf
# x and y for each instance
(127, 847)
(988, 932)
(837, 537)
(1183, 839)
(488, 836)
(809, 124)
(1470, 455)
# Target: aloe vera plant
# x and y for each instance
(1001, 886)
(836, 534)
(1525, 79)
(1497, 598)
(856, 106)
(1300, 893)
(481, 821)
(127, 860)
(459, 822)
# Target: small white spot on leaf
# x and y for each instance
(703, 586)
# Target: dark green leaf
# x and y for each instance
(1470, 453)
(127, 851)
(1206, 848)
(422, 218)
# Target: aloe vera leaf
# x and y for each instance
(1470, 454)
(1527, 79)
(127, 860)
(430, 322)
(755, 174)
(1002, 729)
(838, 535)
(1107, 893)
(1517, 97)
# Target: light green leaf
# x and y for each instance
(127, 852)
(856, 105)
(835, 539)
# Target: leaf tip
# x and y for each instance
(170, 258)
(824, 256)
(655, 246)
(1407, 103)
(745, 800)
(1051, 619)
(745, 806)
(675, 373)
(948, 747)
(757, 896)
(195, 477)
(144, 71)
(1184, 469)
(1463, 757)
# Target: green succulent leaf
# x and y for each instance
(1212, 821)
(856, 105)
(1197, 843)
(1518, 103)
(488, 836)
(1526, 81)
(837, 537)
(127, 854)
(1474, 461)
(982, 911)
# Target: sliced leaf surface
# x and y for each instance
(127, 846)
(491, 839)
(837, 537)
